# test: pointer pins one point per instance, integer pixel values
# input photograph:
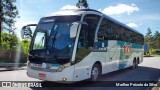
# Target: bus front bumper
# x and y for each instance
(64, 76)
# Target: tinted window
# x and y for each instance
(109, 30)
(92, 21)
(86, 37)
(104, 30)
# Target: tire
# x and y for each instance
(95, 73)
(134, 64)
(137, 62)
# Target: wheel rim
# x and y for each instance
(95, 73)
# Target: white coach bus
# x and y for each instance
(74, 45)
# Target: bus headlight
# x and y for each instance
(60, 68)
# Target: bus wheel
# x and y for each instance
(134, 64)
(95, 73)
(137, 62)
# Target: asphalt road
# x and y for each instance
(149, 70)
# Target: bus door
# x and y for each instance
(83, 58)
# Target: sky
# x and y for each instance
(138, 14)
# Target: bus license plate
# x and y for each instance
(42, 75)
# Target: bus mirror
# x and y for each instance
(26, 31)
(73, 30)
(22, 32)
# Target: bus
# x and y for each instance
(75, 45)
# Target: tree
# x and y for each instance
(156, 40)
(9, 42)
(11, 46)
(8, 13)
(149, 38)
(25, 45)
(82, 4)
(8, 46)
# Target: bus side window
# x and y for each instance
(92, 21)
(101, 35)
(83, 43)
(83, 46)
(104, 31)
(87, 35)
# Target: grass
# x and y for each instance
(152, 55)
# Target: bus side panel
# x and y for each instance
(112, 57)
(100, 56)
(121, 54)
(129, 52)
(84, 67)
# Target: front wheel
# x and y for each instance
(95, 73)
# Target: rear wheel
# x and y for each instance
(95, 73)
(134, 64)
(137, 62)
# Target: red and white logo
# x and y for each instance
(127, 49)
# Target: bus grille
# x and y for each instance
(43, 69)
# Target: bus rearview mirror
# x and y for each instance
(73, 30)
(26, 31)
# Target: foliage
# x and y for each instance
(82, 4)
(148, 38)
(153, 41)
(8, 13)
(25, 45)
(156, 39)
(8, 46)
(156, 51)
(11, 46)
(9, 41)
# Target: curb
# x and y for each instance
(2, 69)
(12, 64)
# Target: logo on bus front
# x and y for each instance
(127, 50)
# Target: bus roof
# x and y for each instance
(81, 11)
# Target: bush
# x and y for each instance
(156, 51)
(11, 46)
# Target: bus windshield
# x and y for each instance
(52, 38)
